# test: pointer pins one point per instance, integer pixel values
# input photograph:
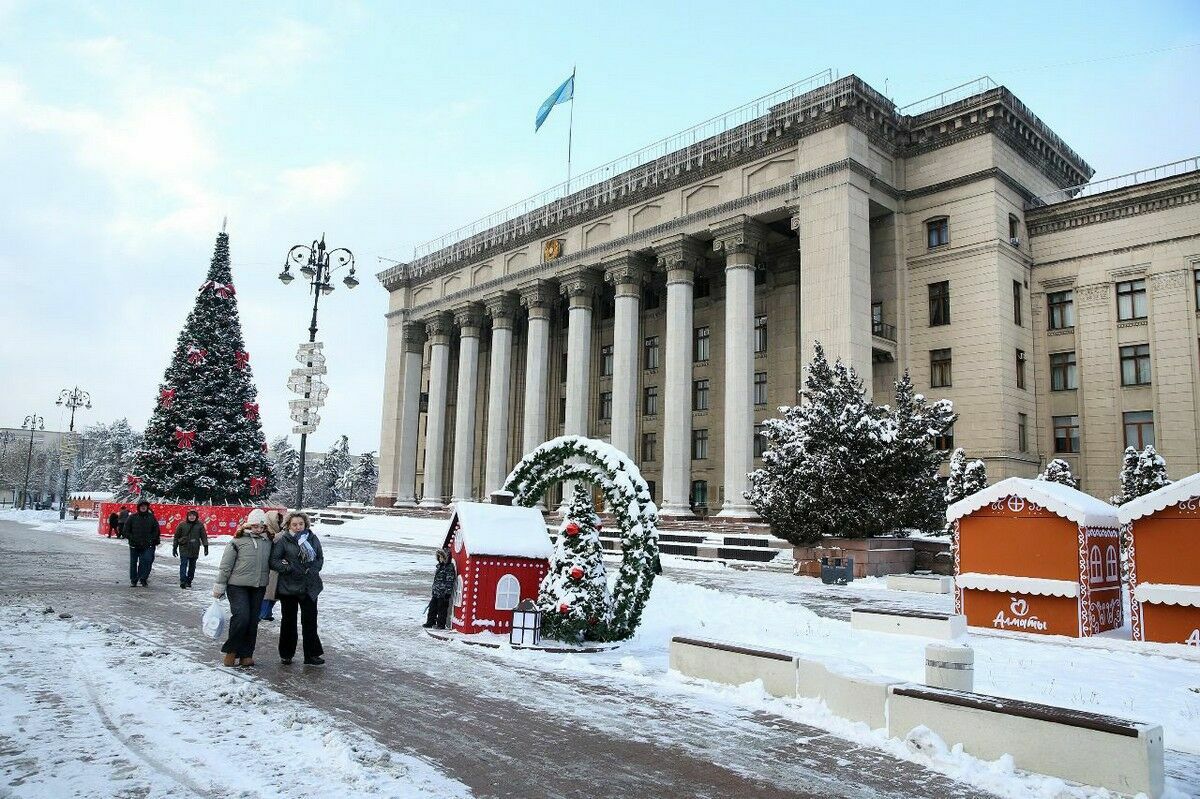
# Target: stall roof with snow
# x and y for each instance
(500, 530)
(1163, 498)
(1067, 502)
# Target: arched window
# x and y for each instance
(508, 592)
(458, 591)
(1114, 564)
(1097, 565)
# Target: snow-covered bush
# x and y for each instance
(965, 477)
(1059, 471)
(1141, 473)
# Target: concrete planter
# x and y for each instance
(873, 557)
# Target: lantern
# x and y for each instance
(526, 624)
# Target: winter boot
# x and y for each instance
(229, 659)
(246, 662)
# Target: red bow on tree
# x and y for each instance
(185, 438)
(196, 354)
(134, 483)
(242, 359)
(166, 397)
(222, 290)
(251, 409)
(257, 484)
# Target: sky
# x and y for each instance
(128, 132)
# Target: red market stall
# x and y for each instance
(217, 519)
(1162, 536)
(1038, 557)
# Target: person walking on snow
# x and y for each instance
(443, 589)
(243, 576)
(113, 521)
(298, 558)
(189, 537)
(274, 529)
(142, 532)
(122, 520)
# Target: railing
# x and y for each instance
(1119, 182)
(883, 330)
(953, 95)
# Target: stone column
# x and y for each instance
(679, 257)
(389, 430)
(626, 273)
(538, 298)
(501, 308)
(739, 238)
(438, 329)
(578, 286)
(468, 319)
(410, 412)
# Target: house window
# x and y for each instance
(760, 334)
(650, 401)
(760, 388)
(939, 368)
(945, 440)
(699, 445)
(1139, 429)
(1062, 309)
(1135, 365)
(605, 405)
(650, 353)
(649, 447)
(1112, 563)
(699, 494)
(651, 300)
(702, 288)
(606, 360)
(700, 342)
(458, 591)
(1096, 573)
(1017, 303)
(1014, 230)
(939, 303)
(760, 441)
(1020, 368)
(508, 592)
(1066, 433)
(1062, 371)
(1131, 299)
(1022, 432)
(937, 232)
(700, 395)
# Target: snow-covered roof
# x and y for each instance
(1168, 594)
(1164, 497)
(1010, 584)
(1070, 503)
(503, 530)
(92, 495)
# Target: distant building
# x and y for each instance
(45, 474)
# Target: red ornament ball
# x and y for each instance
(576, 573)
(564, 608)
(572, 529)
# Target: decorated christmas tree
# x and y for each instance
(574, 596)
(204, 441)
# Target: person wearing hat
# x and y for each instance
(189, 537)
(243, 576)
(141, 530)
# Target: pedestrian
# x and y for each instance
(143, 534)
(113, 521)
(443, 589)
(189, 537)
(274, 526)
(298, 558)
(122, 520)
(243, 576)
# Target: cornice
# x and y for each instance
(1086, 211)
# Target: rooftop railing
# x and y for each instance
(952, 95)
(1119, 182)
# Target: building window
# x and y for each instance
(1062, 371)
(1135, 365)
(938, 232)
(701, 288)
(1112, 564)
(651, 300)
(760, 441)
(1022, 432)
(876, 317)
(760, 388)
(1020, 368)
(699, 445)
(605, 406)
(606, 360)
(1062, 309)
(945, 440)
(939, 368)
(1014, 230)
(939, 303)
(1066, 433)
(1139, 429)
(700, 344)
(760, 334)
(700, 395)
(1131, 299)
(649, 447)
(650, 353)
(508, 592)
(699, 494)
(1196, 279)
(1017, 304)
(650, 401)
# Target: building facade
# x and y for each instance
(670, 306)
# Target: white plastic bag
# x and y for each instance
(216, 620)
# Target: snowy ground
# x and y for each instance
(377, 571)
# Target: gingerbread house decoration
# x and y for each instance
(1162, 537)
(500, 553)
(1037, 557)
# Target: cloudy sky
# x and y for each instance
(129, 131)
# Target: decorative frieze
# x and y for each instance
(1169, 281)
(1095, 294)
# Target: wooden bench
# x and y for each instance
(944, 626)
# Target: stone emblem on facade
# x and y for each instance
(551, 249)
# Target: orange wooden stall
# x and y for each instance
(1037, 557)
(1162, 534)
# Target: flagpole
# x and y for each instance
(570, 130)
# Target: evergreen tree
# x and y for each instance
(965, 477)
(359, 482)
(1141, 473)
(975, 479)
(912, 498)
(322, 490)
(204, 441)
(1058, 471)
(106, 456)
(286, 469)
(573, 596)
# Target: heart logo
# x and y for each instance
(1019, 607)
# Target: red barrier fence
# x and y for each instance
(217, 519)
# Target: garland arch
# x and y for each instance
(604, 466)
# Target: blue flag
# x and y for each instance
(560, 95)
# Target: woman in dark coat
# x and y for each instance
(189, 537)
(297, 556)
(443, 590)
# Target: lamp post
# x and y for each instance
(317, 264)
(71, 398)
(32, 422)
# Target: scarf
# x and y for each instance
(307, 553)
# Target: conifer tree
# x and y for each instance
(322, 490)
(975, 479)
(286, 469)
(1141, 473)
(965, 477)
(573, 596)
(204, 441)
(1059, 471)
(911, 496)
(106, 456)
(358, 483)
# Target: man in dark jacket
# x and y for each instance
(141, 530)
(122, 520)
(113, 524)
(189, 537)
(443, 590)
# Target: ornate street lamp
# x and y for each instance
(32, 423)
(71, 398)
(318, 265)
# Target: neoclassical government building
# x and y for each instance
(668, 302)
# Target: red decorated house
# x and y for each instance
(501, 553)
(217, 519)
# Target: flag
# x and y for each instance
(560, 95)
